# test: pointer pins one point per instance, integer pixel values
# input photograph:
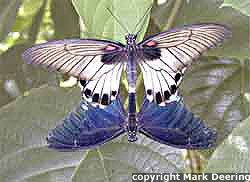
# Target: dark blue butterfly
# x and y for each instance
(172, 124)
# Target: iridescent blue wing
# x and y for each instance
(88, 126)
(165, 56)
(97, 63)
(174, 125)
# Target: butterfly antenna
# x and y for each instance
(120, 23)
(142, 19)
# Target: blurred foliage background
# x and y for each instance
(31, 22)
(32, 102)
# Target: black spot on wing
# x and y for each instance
(105, 99)
(83, 82)
(114, 93)
(166, 95)
(173, 89)
(149, 92)
(177, 77)
(87, 93)
(95, 98)
(158, 98)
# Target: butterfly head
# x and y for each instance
(131, 39)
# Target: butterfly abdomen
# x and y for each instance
(132, 120)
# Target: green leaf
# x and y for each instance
(8, 14)
(13, 68)
(232, 156)
(209, 11)
(24, 127)
(214, 90)
(242, 5)
(116, 161)
(65, 9)
(98, 21)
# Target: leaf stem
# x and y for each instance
(173, 14)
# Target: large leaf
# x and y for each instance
(214, 89)
(232, 156)
(22, 76)
(116, 161)
(65, 9)
(24, 127)
(211, 11)
(99, 22)
(241, 5)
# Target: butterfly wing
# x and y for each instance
(165, 56)
(174, 125)
(88, 126)
(94, 62)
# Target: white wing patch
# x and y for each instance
(166, 55)
(160, 80)
(105, 89)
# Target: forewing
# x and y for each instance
(89, 60)
(88, 127)
(175, 126)
(165, 56)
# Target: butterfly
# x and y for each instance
(98, 64)
(173, 124)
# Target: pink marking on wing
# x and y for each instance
(110, 48)
(151, 43)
